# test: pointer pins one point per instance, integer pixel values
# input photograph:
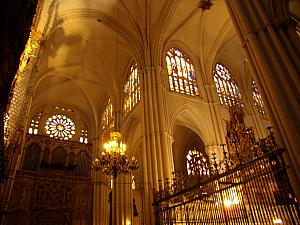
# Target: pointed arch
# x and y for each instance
(32, 157)
(58, 157)
(195, 120)
(133, 133)
(83, 164)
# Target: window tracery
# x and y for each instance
(60, 123)
(83, 137)
(258, 100)
(107, 119)
(34, 124)
(228, 90)
(197, 163)
(60, 127)
(131, 90)
(181, 73)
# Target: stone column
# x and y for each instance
(97, 197)
(155, 124)
(214, 106)
(127, 200)
(157, 144)
(146, 172)
(272, 48)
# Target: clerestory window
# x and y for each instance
(258, 100)
(181, 73)
(131, 90)
(228, 90)
(107, 119)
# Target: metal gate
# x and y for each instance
(258, 192)
(249, 185)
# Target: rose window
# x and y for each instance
(60, 127)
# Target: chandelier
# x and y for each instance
(113, 160)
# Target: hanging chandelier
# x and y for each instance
(113, 160)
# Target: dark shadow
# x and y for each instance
(110, 207)
(135, 212)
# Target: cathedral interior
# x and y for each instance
(139, 112)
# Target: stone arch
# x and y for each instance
(58, 157)
(195, 120)
(83, 164)
(130, 130)
(185, 139)
(32, 157)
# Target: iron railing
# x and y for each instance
(257, 192)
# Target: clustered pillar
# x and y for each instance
(157, 142)
(272, 48)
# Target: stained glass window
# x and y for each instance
(257, 100)
(181, 73)
(60, 127)
(196, 163)
(227, 88)
(34, 124)
(83, 135)
(107, 120)
(132, 90)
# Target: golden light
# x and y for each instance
(277, 221)
(115, 144)
(113, 160)
(31, 45)
(229, 202)
(232, 198)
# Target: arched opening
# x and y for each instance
(189, 154)
(32, 157)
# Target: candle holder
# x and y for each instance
(113, 160)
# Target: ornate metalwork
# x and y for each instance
(257, 192)
(240, 148)
(113, 160)
(248, 185)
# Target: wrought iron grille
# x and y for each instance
(258, 192)
(249, 185)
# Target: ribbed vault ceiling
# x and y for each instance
(84, 60)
